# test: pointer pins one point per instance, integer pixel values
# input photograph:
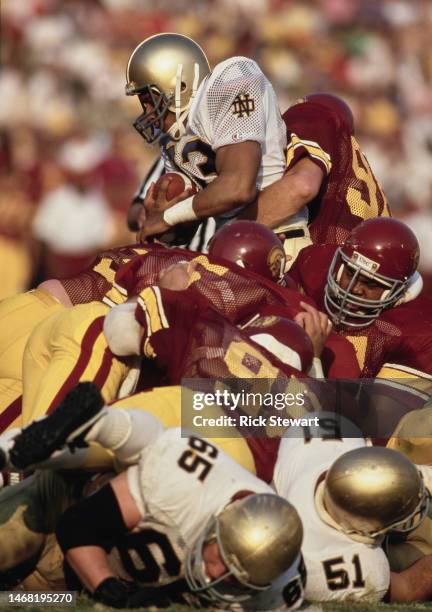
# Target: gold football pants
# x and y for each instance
(19, 315)
(65, 349)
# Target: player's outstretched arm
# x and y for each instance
(86, 529)
(287, 196)
(237, 168)
(414, 583)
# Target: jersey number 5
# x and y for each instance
(197, 459)
(338, 577)
(369, 201)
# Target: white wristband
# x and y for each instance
(180, 213)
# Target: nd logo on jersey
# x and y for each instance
(243, 105)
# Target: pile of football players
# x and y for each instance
(282, 266)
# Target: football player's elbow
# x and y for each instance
(243, 193)
(413, 583)
(399, 587)
(303, 189)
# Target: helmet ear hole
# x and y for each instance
(183, 86)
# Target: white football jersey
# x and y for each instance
(338, 567)
(178, 485)
(235, 103)
(426, 471)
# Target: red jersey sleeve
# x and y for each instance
(144, 271)
(310, 271)
(97, 282)
(339, 359)
(410, 355)
(312, 132)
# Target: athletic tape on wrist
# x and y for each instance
(180, 213)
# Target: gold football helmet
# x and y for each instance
(165, 71)
(259, 538)
(371, 491)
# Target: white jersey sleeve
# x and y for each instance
(235, 103)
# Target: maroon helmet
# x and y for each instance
(284, 339)
(335, 104)
(382, 249)
(250, 245)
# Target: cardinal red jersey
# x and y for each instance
(192, 341)
(97, 283)
(238, 295)
(399, 339)
(232, 291)
(349, 193)
(189, 339)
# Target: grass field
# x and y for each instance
(84, 604)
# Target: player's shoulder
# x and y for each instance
(317, 446)
(235, 67)
(315, 252)
(231, 75)
(413, 317)
(123, 252)
(176, 439)
(305, 113)
(312, 264)
(410, 326)
(194, 472)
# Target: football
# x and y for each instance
(178, 183)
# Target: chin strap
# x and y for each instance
(177, 130)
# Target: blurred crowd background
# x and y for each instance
(70, 160)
